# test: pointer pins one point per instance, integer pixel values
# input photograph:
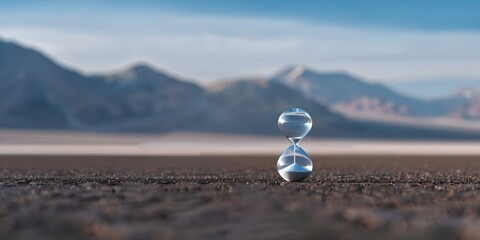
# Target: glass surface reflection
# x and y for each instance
(294, 164)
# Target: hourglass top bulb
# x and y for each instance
(294, 123)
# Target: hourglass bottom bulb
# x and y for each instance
(294, 173)
(294, 164)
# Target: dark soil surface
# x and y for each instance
(101, 197)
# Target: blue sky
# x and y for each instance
(387, 41)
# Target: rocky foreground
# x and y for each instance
(380, 197)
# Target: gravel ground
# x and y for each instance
(381, 197)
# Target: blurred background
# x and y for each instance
(162, 76)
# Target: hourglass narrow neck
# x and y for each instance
(294, 140)
(294, 151)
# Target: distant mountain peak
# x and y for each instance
(142, 68)
(290, 73)
(295, 73)
(139, 72)
(23, 56)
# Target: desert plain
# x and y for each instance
(369, 195)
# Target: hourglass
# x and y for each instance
(294, 164)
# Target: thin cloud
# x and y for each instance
(208, 48)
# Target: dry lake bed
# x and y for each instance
(238, 197)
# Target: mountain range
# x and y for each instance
(432, 89)
(36, 92)
(346, 93)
